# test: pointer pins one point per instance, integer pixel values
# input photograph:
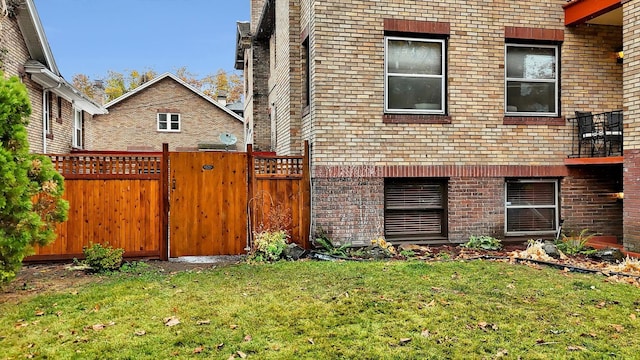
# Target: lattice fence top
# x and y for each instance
(108, 166)
(281, 166)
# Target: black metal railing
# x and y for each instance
(597, 135)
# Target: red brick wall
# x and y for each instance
(476, 207)
(350, 209)
(588, 202)
(348, 201)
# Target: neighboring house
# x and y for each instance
(59, 111)
(430, 121)
(164, 110)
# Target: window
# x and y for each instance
(78, 123)
(531, 207)
(415, 209)
(168, 122)
(59, 108)
(46, 112)
(306, 76)
(531, 80)
(414, 75)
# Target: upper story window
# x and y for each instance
(531, 80)
(415, 79)
(169, 122)
(46, 112)
(78, 124)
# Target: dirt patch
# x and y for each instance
(36, 279)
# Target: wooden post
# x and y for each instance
(250, 180)
(306, 196)
(164, 203)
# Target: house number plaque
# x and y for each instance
(207, 167)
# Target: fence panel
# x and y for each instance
(113, 198)
(281, 195)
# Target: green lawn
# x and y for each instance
(327, 310)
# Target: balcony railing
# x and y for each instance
(597, 135)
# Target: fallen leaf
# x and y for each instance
(632, 316)
(204, 322)
(539, 341)
(431, 303)
(575, 348)
(617, 328)
(233, 327)
(405, 341)
(39, 313)
(140, 332)
(511, 286)
(242, 355)
(247, 338)
(310, 340)
(425, 333)
(220, 346)
(593, 335)
(21, 325)
(171, 321)
(96, 308)
(59, 313)
(198, 350)
(601, 305)
(233, 356)
(30, 346)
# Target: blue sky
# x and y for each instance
(94, 36)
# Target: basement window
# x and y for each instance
(415, 209)
(531, 207)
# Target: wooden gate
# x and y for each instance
(207, 203)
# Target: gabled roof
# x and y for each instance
(181, 82)
(42, 66)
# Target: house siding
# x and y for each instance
(355, 145)
(13, 61)
(132, 123)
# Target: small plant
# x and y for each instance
(103, 258)
(483, 242)
(331, 249)
(268, 245)
(574, 244)
(135, 267)
(408, 253)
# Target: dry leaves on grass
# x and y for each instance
(171, 321)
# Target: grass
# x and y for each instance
(327, 310)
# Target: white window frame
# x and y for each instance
(443, 77)
(555, 80)
(555, 206)
(78, 119)
(46, 112)
(168, 121)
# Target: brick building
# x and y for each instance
(432, 121)
(59, 111)
(164, 110)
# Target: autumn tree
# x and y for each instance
(30, 188)
(117, 84)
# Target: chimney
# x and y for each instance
(222, 98)
(99, 95)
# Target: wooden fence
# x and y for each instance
(280, 194)
(123, 199)
(114, 199)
